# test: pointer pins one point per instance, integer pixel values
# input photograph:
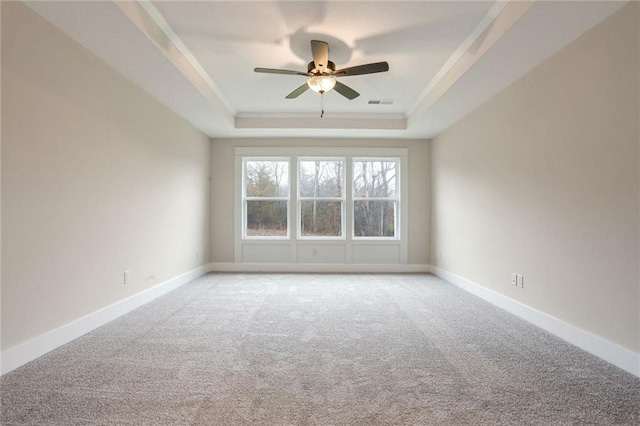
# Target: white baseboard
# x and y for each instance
(19, 355)
(319, 267)
(602, 348)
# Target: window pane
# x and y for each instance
(267, 178)
(321, 178)
(267, 218)
(321, 218)
(374, 178)
(374, 218)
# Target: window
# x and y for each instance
(266, 197)
(321, 198)
(319, 204)
(375, 197)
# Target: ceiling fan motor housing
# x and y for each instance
(312, 66)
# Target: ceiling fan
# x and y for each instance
(322, 73)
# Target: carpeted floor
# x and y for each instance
(303, 349)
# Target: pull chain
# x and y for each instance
(321, 104)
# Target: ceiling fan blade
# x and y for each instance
(320, 51)
(363, 69)
(345, 91)
(299, 91)
(276, 71)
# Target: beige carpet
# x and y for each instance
(232, 349)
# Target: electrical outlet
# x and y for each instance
(514, 279)
(127, 277)
(520, 281)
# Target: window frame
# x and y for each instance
(396, 199)
(245, 198)
(342, 199)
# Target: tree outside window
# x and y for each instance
(322, 202)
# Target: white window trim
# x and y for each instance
(349, 243)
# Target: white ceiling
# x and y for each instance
(445, 58)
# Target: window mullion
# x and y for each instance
(294, 208)
(348, 206)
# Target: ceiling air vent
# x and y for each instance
(381, 102)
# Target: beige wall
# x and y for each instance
(222, 178)
(543, 180)
(97, 178)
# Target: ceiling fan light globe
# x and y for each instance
(321, 84)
